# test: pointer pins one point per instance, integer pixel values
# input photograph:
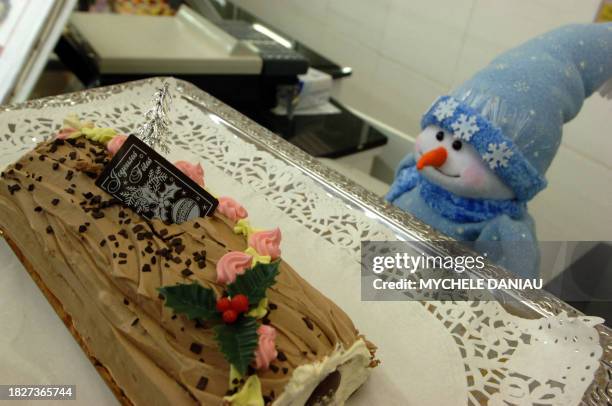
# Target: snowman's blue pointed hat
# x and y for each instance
(513, 110)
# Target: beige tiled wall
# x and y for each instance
(405, 53)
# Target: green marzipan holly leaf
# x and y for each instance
(238, 342)
(254, 282)
(193, 300)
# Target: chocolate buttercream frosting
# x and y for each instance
(104, 263)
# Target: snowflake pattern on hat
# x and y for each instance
(498, 155)
(465, 127)
(445, 109)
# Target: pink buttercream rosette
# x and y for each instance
(194, 171)
(65, 133)
(266, 242)
(116, 143)
(266, 348)
(231, 209)
(232, 264)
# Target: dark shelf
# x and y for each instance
(325, 136)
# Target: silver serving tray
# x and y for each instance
(403, 225)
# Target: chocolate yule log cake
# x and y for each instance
(202, 312)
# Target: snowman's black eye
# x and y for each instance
(440, 135)
(457, 145)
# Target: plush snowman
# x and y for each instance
(484, 149)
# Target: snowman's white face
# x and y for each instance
(456, 166)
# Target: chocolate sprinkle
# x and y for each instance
(196, 348)
(14, 188)
(55, 166)
(202, 383)
(308, 323)
(146, 268)
(49, 230)
(186, 272)
(37, 209)
(136, 320)
(97, 214)
(69, 175)
(55, 202)
(122, 262)
(281, 356)
(30, 187)
(137, 228)
(82, 228)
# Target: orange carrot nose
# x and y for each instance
(435, 157)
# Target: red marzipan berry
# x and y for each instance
(229, 316)
(223, 304)
(240, 303)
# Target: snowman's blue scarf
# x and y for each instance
(465, 210)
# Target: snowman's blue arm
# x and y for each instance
(511, 244)
(406, 178)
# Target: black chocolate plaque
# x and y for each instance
(147, 183)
